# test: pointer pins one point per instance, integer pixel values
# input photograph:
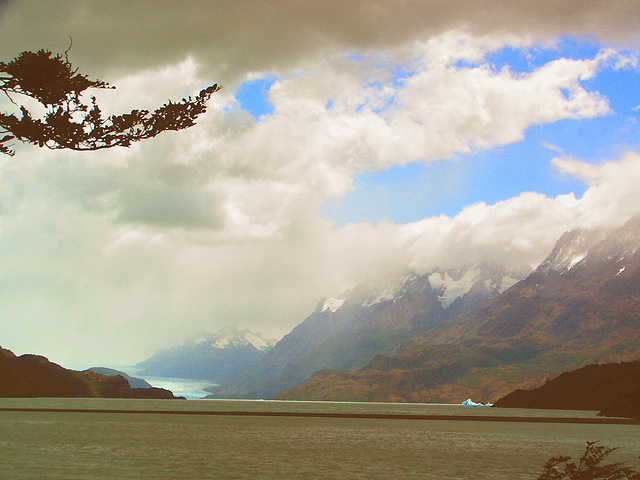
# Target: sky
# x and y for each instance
(351, 141)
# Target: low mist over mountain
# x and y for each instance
(348, 332)
(580, 306)
(209, 356)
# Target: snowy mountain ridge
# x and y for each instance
(580, 306)
(211, 356)
(448, 285)
(618, 247)
(571, 249)
(579, 249)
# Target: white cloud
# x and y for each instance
(77, 285)
(108, 254)
(553, 148)
(329, 123)
(613, 196)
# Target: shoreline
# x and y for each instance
(337, 415)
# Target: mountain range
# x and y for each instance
(215, 356)
(580, 306)
(347, 332)
(439, 336)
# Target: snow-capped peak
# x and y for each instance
(221, 342)
(452, 288)
(621, 244)
(230, 337)
(484, 280)
(587, 248)
(570, 250)
(258, 341)
(390, 290)
(332, 304)
(447, 285)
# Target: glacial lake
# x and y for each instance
(181, 387)
(220, 439)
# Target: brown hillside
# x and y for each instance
(613, 389)
(35, 376)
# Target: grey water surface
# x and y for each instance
(112, 444)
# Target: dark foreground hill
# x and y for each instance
(35, 376)
(613, 389)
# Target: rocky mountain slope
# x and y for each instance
(613, 389)
(349, 331)
(209, 356)
(35, 376)
(580, 306)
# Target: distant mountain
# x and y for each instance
(349, 331)
(613, 389)
(580, 306)
(133, 382)
(35, 376)
(209, 356)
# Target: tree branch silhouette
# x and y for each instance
(68, 122)
(590, 466)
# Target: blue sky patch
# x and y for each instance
(254, 96)
(417, 190)
(526, 60)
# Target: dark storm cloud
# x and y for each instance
(165, 206)
(232, 38)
